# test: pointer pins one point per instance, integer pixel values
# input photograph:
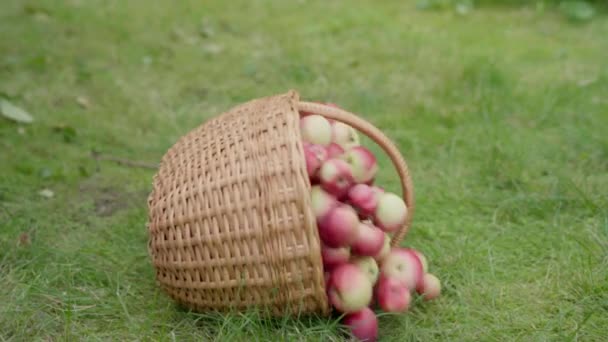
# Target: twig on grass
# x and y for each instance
(123, 161)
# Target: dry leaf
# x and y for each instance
(12, 112)
(24, 239)
(48, 193)
(83, 101)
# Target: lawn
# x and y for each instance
(502, 115)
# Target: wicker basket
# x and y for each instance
(230, 223)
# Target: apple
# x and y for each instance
(364, 198)
(363, 163)
(430, 287)
(334, 256)
(322, 202)
(370, 240)
(340, 227)
(390, 213)
(334, 150)
(363, 325)
(315, 129)
(386, 248)
(314, 155)
(423, 261)
(336, 177)
(403, 264)
(392, 295)
(378, 190)
(344, 135)
(349, 289)
(369, 266)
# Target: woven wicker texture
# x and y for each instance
(230, 224)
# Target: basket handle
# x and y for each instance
(385, 143)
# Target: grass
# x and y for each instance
(501, 114)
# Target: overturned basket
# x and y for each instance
(230, 219)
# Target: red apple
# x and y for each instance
(391, 212)
(363, 163)
(349, 289)
(369, 266)
(322, 202)
(334, 256)
(386, 248)
(402, 264)
(315, 129)
(423, 261)
(334, 150)
(314, 155)
(363, 325)
(392, 295)
(336, 177)
(430, 287)
(364, 198)
(340, 227)
(369, 241)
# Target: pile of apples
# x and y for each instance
(355, 219)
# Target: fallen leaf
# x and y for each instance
(20, 130)
(12, 112)
(24, 239)
(46, 193)
(83, 101)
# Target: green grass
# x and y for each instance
(502, 115)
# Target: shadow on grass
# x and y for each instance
(261, 324)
